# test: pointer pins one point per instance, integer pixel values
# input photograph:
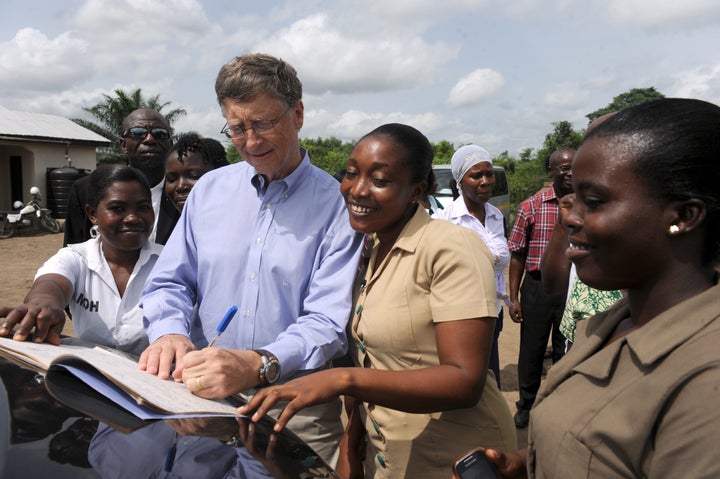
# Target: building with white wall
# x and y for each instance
(33, 143)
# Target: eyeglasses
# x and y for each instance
(139, 133)
(259, 127)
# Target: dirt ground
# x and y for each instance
(21, 256)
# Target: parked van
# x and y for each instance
(500, 197)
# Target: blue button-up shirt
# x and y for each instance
(285, 255)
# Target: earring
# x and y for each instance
(674, 229)
(94, 233)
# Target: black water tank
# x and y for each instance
(59, 181)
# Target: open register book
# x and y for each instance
(107, 384)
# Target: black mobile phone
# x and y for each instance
(475, 465)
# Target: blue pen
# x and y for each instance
(223, 324)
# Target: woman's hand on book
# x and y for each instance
(43, 320)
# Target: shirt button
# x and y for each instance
(258, 240)
(247, 313)
(267, 207)
(252, 276)
(381, 460)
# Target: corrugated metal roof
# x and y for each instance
(38, 125)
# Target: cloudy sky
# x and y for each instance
(492, 72)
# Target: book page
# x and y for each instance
(38, 356)
(117, 395)
(166, 396)
(163, 395)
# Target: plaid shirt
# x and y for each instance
(535, 220)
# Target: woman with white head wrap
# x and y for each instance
(472, 169)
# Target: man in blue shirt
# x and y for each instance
(270, 235)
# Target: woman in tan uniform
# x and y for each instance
(420, 388)
(637, 395)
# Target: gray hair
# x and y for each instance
(246, 76)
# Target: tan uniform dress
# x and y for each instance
(645, 406)
(436, 271)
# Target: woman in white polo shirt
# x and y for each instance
(100, 280)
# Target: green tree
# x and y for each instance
(563, 135)
(507, 161)
(330, 154)
(526, 154)
(107, 117)
(630, 98)
(443, 152)
(528, 173)
(233, 156)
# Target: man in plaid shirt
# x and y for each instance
(537, 312)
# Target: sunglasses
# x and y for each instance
(139, 132)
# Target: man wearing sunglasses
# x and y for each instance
(146, 140)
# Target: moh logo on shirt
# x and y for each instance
(87, 304)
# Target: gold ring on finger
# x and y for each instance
(198, 383)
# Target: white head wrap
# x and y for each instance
(465, 158)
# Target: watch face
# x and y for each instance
(273, 371)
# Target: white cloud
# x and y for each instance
(150, 20)
(140, 35)
(352, 124)
(32, 61)
(328, 60)
(420, 13)
(566, 97)
(657, 13)
(601, 81)
(67, 103)
(490, 141)
(702, 83)
(475, 87)
(206, 121)
(363, 65)
(398, 17)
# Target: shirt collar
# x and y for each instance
(548, 194)
(290, 181)
(459, 209)
(92, 251)
(675, 326)
(413, 231)
(648, 344)
(407, 240)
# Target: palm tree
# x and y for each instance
(108, 116)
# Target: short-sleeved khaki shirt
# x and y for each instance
(644, 406)
(436, 271)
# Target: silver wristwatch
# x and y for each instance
(270, 368)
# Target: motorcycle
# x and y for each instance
(31, 215)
